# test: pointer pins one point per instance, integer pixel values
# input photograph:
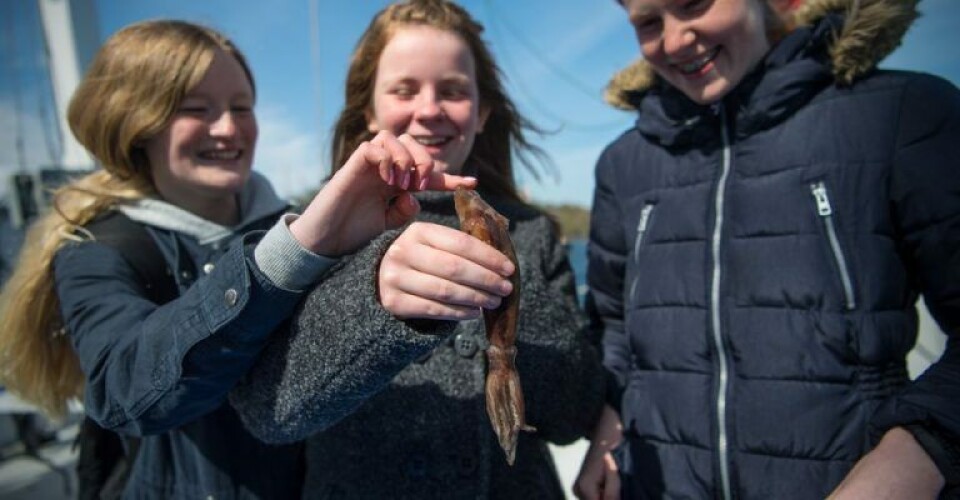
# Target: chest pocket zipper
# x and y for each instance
(642, 226)
(825, 211)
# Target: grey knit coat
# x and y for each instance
(426, 434)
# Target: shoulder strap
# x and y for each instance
(140, 250)
(105, 459)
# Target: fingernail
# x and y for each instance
(423, 184)
(390, 178)
(405, 183)
(506, 288)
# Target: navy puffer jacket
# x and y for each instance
(755, 265)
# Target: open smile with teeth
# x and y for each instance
(226, 154)
(432, 140)
(697, 64)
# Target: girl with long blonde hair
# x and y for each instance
(167, 110)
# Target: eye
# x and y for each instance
(694, 6)
(646, 25)
(404, 92)
(455, 92)
(192, 109)
(241, 108)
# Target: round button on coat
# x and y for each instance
(230, 297)
(465, 345)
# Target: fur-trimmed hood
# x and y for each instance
(871, 31)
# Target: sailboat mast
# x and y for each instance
(70, 29)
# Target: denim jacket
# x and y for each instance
(163, 372)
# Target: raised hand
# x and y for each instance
(369, 194)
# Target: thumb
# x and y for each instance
(403, 209)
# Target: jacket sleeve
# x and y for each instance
(342, 347)
(559, 369)
(607, 256)
(925, 195)
(152, 368)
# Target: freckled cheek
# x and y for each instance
(390, 115)
(463, 116)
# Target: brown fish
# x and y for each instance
(503, 393)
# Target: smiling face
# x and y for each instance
(203, 156)
(426, 86)
(704, 48)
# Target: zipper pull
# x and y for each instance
(641, 229)
(644, 217)
(823, 202)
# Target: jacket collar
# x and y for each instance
(853, 37)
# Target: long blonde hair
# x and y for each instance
(132, 89)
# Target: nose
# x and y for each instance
(429, 106)
(224, 125)
(678, 36)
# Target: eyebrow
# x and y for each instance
(194, 94)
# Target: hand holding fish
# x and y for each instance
(435, 272)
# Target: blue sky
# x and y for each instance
(557, 56)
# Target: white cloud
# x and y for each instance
(290, 156)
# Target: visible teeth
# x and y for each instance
(698, 64)
(431, 141)
(232, 154)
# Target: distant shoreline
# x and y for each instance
(574, 220)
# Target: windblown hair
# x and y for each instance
(505, 127)
(129, 94)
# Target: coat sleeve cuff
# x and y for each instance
(943, 448)
(285, 262)
(614, 390)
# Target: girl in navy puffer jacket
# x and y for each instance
(758, 244)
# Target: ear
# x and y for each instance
(482, 119)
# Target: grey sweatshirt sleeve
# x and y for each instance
(284, 262)
(341, 348)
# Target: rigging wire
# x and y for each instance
(497, 20)
(316, 61)
(25, 62)
(14, 79)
